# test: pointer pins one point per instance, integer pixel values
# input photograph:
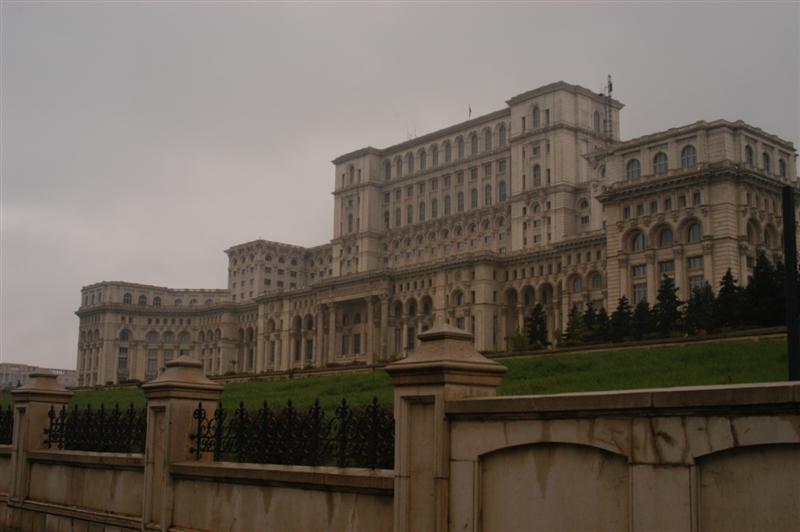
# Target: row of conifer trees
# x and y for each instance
(760, 304)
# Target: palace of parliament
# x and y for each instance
(539, 202)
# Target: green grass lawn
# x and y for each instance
(720, 363)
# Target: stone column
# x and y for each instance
(444, 367)
(367, 332)
(681, 281)
(332, 333)
(653, 281)
(318, 362)
(384, 333)
(31, 405)
(171, 401)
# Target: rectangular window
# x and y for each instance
(501, 166)
(694, 263)
(397, 217)
(640, 209)
(356, 344)
(584, 220)
(473, 173)
(666, 267)
(653, 207)
(696, 281)
(681, 201)
(626, 212)
(639, 292)
(447, 181)
(667, 204)
(639, 270)
(409, 191)
(434, 185)
(387, 198)
(535, 151)
(422, 188)
(460, 178)
(695, 198)
(345, 344)
(487, 169)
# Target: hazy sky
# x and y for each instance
(141, 140)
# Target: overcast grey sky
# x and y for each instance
(141, 140)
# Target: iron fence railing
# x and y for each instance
(6, 425)
(99, 430)
(351, 437)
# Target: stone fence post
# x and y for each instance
(171, 401)
(32, 403)
(444, 367)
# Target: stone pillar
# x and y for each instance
(444, 367)
(318, 362)
(331, 333)
(171, 401)
(31, 405)
(681, 281)
(384, 334)
(369, 338)
(653, 280)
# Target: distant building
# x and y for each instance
(13, 374)
(539, 202)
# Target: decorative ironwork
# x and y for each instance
(352, 437)
(114, 431)
(6, 425)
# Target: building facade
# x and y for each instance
(540, 202)
(13, 375)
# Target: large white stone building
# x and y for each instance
(474, 224)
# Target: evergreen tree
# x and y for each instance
(728, 304)
(590, 324)
(603, 326)
(642, 321)
(621, 320)
(700, 310)
(666, 311)
(764, 301)
(536, 327)
(576, 328)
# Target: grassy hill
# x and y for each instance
(718, 363)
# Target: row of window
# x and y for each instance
(693, 232)
(127, 299)
(267, 258)
(697, 199)
(433, 183)
(502, 195)
(408, 163)
(766, 161)
(633, 168)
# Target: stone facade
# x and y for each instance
(12, 375)
(472, 225)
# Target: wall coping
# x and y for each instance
(375, 481)
(133, 461)
(768, 397)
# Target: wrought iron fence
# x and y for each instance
(6, 425)
(113, 431)
(351, 437)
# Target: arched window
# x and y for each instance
(660, 163)
(665, 238)
(597, 281)
(633, 169)
(596, 121)
(124, 335)
(168, 337)
(448, 152)
(208, 302)
(423, 160)
(583, 204)
(421, 214)
(537, 175)
(434, 156)
(765, 162)
(487, 140)
(501, 135)
(447, 205)
(156, 301)
(460, 202)
(398, 167)
(143, 299)
(688, 156)
(473, 198)
(460, 147)
(694, 233)
(637, 241)
(410, 214)
(127, 299)
(473, 144)
(434, 208)
(410, 163)
(184, 337)
(749, 157)
(577, 284)
(536, 118)
(152, 337)
(178, 302)
(458, 298)
(487, 195)
(782, 167)
(387, 170)
(501, 191)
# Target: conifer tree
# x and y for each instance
(700, 310)
(621, 320)
(728, 304)
(536, 326)
(666, 311)
(590, 324)
(603, 326)
(642, 321)
(576, 328)
(764, 300)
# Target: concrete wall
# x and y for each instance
(708, 458)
